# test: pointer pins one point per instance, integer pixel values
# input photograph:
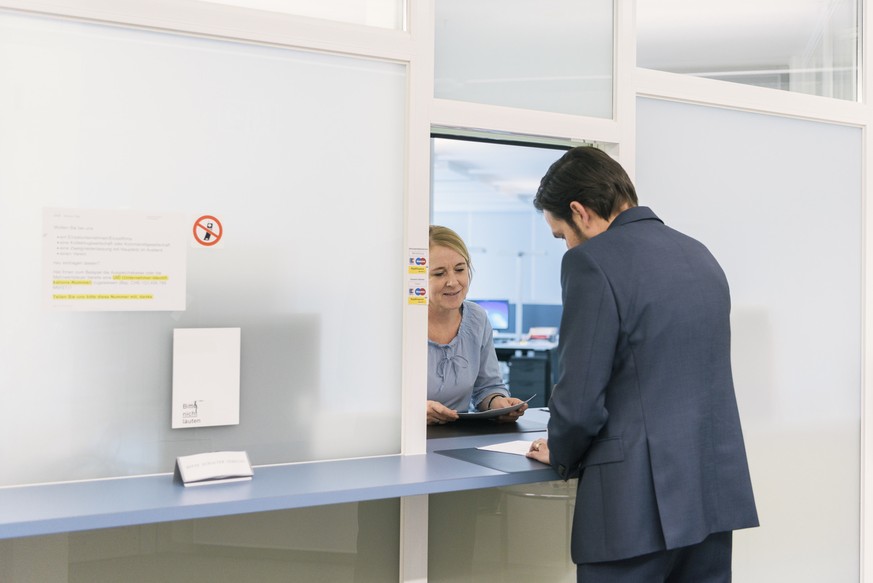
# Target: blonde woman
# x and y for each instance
(462, 369)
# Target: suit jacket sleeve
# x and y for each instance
(589, 335)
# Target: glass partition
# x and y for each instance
(342, 543)
(297, 154)
(510, 534)
(807, 46)
(778, 202)
(551, 55)
(378, 13)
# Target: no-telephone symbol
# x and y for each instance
(207, 230)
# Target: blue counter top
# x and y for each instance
(66, 507)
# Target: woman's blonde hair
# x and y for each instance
(445, 237)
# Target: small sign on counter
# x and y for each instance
(213, 468)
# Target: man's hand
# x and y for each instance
(539, 450)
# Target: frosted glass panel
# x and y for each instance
(807, 46)
(298, 154)
(343, 543)
(551, 55)
(379, 13)
(778, 201)
(514, 534)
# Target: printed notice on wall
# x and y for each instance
(113, 260)
(206, 369)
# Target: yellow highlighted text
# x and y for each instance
(102, 297)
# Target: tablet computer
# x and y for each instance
(491, 413)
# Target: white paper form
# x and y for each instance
(206, 367)
(517, 447)
(113, 260)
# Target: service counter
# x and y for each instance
(452, 463)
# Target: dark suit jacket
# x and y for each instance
(644, 410)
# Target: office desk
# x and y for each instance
(77, 506)
(532, 368)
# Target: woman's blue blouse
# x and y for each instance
(463, 372)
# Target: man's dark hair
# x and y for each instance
(589, 176)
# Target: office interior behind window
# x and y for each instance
(484, 191)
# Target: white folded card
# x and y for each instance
(213, 468)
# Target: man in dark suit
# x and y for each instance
(644, 411)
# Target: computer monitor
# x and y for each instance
(498, 313)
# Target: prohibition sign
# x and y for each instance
(207, 230)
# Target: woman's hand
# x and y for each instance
(501, 402)
(539, 450)
(439, 414)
